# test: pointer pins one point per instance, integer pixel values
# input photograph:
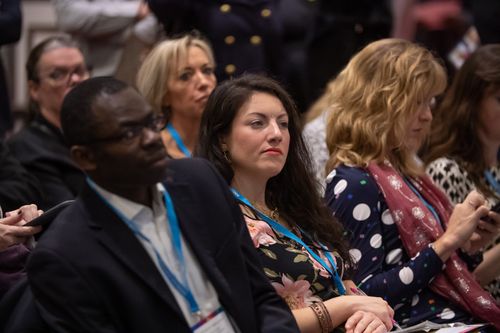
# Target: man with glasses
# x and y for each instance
(54, 67)
(151, 244)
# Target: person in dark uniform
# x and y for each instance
(246, 35)
(10, 32)
(485, 15)
(54, 67)
(341, 29)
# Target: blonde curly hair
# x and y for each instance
(380, 88)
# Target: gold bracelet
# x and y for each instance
(321, 312)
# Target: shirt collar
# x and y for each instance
(131, 209)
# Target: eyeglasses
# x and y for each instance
(130, 133)
(61, 75)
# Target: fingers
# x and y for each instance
(20, 231)
(487, 227)
(493, 219)
(29, 212)
(365, 322)
(353, 320)
(475, 199)
(12, 218)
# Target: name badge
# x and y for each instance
(216, 322)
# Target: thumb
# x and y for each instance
(481, 212)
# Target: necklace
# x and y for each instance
(272, 213)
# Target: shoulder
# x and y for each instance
(315, 128)
(191, 168)
(67, 229)
(445, 166)
(198, 173)
(354, 178)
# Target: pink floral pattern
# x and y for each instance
(260, 232)
(297, 294)
(297, 277)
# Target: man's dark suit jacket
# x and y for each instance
(89, 272)
(41, 150)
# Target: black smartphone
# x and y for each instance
(46, 218)
(496, 208)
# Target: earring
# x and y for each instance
(226, 156)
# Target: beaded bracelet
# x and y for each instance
(325, 321)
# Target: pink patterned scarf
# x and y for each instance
(418, 228)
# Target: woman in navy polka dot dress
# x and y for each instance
(409, 245)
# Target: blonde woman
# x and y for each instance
(176, 78)
(410, 245)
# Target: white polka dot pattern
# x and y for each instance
(361, 212)
(406, 275)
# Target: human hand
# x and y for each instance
(143, 11)
(375, 305)
(462, 223)
(486, 232)
(12, 229)
(365, 322)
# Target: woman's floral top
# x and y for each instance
(297, 277)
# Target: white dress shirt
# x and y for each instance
(153, 224)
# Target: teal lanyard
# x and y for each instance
(178, 140)
(492, 181)
(426, 203)
(290, 235)
(181, 286)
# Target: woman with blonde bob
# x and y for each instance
(411, 247)
(176, 78)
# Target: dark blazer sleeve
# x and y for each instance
(69, 303)
(272, 313)
(17, 186)
(10, 21)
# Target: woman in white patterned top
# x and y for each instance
(465, 140)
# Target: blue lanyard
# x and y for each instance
(492, 181)
(287, 233)
(177, 138)
(181, 287)
(426, 203)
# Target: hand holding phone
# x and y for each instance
(46, 218)
(496, 209)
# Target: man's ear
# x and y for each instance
(84, 157)
(33, 89)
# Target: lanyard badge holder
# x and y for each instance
(178, 140)
(180, 285)
(290, 235)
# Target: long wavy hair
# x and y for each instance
(454, 131)
(162, 64)
(380, 88)
(293, 191)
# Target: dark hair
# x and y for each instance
(455, 125)
(77, 116)
(294, 190)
